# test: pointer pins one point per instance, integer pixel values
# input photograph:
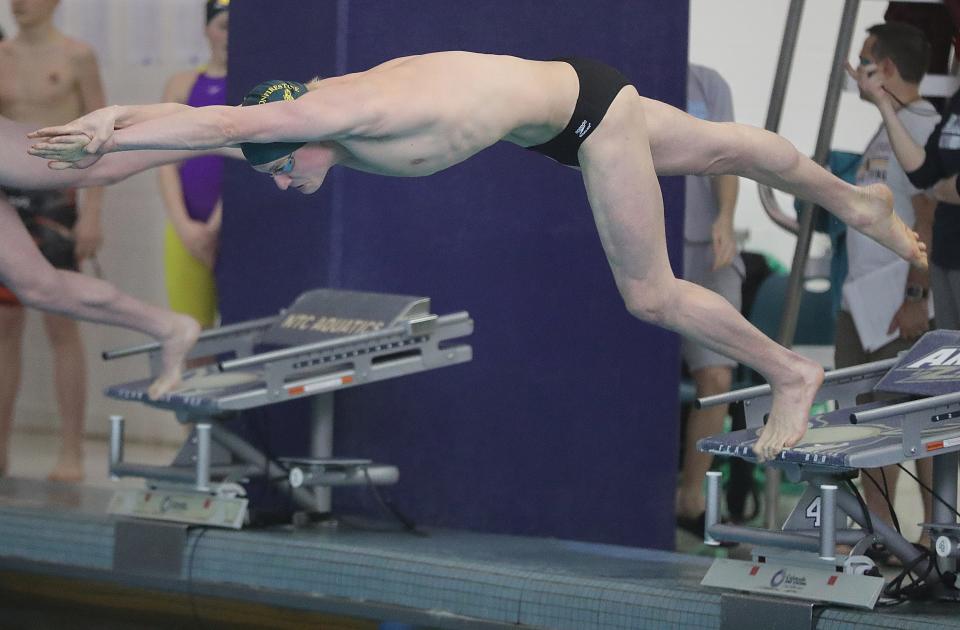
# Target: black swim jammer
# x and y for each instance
(599, 85)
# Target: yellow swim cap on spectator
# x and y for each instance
(216, 7)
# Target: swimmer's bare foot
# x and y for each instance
(878, 221)
(791, 409)
(69, 468)
(183, 334)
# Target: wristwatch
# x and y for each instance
(916, 293)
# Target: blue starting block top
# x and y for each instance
(927, 378)
(201, 389)
(832, 440)
(827, 442)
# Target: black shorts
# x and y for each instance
(49, 216)
(599, 85)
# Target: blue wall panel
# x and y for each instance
(565, 422)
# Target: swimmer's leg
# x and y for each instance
(684, 145)
(39, 285)
(624, 194)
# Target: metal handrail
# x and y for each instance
(804, 227)
(756, 391)
(778, 94)
(206, 335)
(776, 214)
(828, 119)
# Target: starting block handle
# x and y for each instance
(422, 324)
(874, 368)
(294, 351)
(899, 409)
(207, 335)
(738, 395)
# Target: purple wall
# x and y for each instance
(565, 423)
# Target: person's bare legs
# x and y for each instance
(11, 344)
(684, 145)
(39, 285)
(70, 385)
(618, 171)
(701, 423)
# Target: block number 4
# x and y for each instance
(813, 511)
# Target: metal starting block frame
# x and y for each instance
(322, 353)
(800, 560)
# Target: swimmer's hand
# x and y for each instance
(77, 144)
(63, 152)
(98, 125)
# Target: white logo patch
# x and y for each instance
(583, 129)
(937, 358)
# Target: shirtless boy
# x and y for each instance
(47, 78)
(414, 116)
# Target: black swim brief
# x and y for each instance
(599, 85)
(49, 216)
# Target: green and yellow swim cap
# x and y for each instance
(271, 92)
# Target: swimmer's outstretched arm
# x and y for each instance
(317, 116)
(100, 124)
(19, 170)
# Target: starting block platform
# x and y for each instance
(922, 420)
(925, 420)
(325, 341)
(833, 440)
